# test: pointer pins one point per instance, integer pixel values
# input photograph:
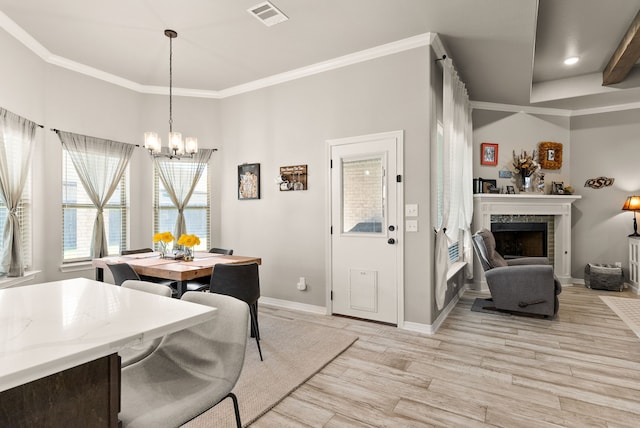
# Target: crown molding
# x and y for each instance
(332, 64)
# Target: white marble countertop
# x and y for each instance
(50, 327)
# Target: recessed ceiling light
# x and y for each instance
(571, 60)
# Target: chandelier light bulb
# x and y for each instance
(191, 145)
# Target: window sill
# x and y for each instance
(76, 266)
(455, 268)
(7, 282)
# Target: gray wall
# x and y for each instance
(519, 131)
(282, 125)
(62, 99)
(289, 124)
(603, 145)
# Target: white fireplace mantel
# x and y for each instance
(485, 205)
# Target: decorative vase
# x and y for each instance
(188, 254)
(527, 185)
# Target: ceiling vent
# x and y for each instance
(267, 13)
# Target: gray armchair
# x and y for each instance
(525, 285)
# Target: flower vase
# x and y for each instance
(188, 254)
(527, 185)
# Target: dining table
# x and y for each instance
(59, 344)
(152, 265)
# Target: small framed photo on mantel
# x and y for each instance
(488, 154)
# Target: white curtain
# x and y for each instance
(179, 178)
(100, 164)
(457, 197)
(17, 136)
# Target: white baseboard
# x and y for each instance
(287, 304)
(433, 328)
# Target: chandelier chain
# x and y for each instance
(170, 84)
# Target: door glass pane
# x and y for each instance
(363, 195)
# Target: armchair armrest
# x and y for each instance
(528, 261)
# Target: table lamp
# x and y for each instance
(633, 204)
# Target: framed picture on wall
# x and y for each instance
(488, 154)
(249, 181)
(550, 155)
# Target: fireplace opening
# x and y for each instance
(520, 239)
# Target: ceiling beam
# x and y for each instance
(625, 56)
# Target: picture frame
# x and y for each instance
(489, 154)
(550, 155)
(511, 190)
(249, 181)
(489, 186)
(557, 188)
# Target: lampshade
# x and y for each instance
(632, 203)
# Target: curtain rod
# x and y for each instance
(137, 145)
(441, 59)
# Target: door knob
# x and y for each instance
(391, 241)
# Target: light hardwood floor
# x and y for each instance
(579, 370)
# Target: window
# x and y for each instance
(79, 214)
(197, 212)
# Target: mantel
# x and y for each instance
(487, 204)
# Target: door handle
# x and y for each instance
(391, 241)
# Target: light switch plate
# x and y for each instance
(411, 225)
(411, 210)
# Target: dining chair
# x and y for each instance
(134, 354)
(241, 281)
(136, 251)
(202, 283)
(191, 371)
(123, 271)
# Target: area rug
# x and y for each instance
(627, 309)
(293, 351)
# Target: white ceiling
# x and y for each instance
(507, 51)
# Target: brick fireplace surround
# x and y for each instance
(486, 206)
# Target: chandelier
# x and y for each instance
(177, 147)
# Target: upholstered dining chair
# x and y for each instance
(132, 355)
(241, 281)
(191, 371)
(123, 271)
(202, 284)
(521, 285)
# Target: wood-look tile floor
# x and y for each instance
(579, 370)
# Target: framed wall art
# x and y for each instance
(249, 181)
(550, 155)
(488, 154)
(293, 177)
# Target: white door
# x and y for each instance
(365, 247)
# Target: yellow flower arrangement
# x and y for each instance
(188, 241)
(163, 238)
